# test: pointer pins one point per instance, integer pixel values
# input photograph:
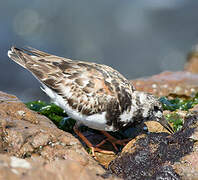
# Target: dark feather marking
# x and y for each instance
(100, 69)
(109, 86)
(74, 75)
(116, 108)
(117, 88)
(70, 102)
(114, 82)
(56, 75)
(100, 90)
(90, 84)
(87, 90)
(124, 99)
(80, 107)
(79, 81)
(44, 61)
(50, 82)
(67, 73)
(87, 111)
(85, 65)
(38, 73)
(55, 63)
(74, 106)
(113, 114)
(62, 65)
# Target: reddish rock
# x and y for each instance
(31, 169)
(43, 151)
(187, 167)
(163, 84)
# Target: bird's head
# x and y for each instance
(152, 110)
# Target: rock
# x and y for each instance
(195, 108)
(192, 61)
(161, 155)
(187, 166)
(32, 147)
(31, 169)
(154, 126)
(165, 83)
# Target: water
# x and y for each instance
(138, 38)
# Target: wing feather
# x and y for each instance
(87, 87)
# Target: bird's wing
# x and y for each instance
(88, 87)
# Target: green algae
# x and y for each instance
(54, 113)
(176, 120)
(179, 103)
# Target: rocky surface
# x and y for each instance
(162, 156)
(192, 61)
(32, 147)
(165, 83)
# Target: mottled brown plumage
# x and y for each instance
(93, 94)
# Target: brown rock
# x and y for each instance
(181, 83)
(192, 62)
(48, 152)
(187, 167)
(31, 169)
(154, 126)
(195, 108)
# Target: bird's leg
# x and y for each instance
(88, 143)
(113, 140)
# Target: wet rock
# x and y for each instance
(165, 83)
(161, 155)
(32, 147)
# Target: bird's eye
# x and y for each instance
(156, 108)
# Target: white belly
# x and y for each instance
(96, 121)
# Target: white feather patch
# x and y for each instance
(9, 53)
(96, 121)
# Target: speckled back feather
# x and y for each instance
(89, 88)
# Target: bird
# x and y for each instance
(95, 95)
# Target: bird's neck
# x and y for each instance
(140, 104)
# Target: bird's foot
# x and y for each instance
(113, 141)
(97, 148)
(90, 145)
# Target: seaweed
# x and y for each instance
(54, 113)
(179, 103)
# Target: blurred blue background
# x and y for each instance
(136, 37)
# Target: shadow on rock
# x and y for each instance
(153, 156)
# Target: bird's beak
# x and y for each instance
(166, 125)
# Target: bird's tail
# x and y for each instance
(21, 56)
(16, 55)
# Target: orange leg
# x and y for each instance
(93, 149)
(113, 140)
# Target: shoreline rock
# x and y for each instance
(32, 147)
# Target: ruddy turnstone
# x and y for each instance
(95, 95)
